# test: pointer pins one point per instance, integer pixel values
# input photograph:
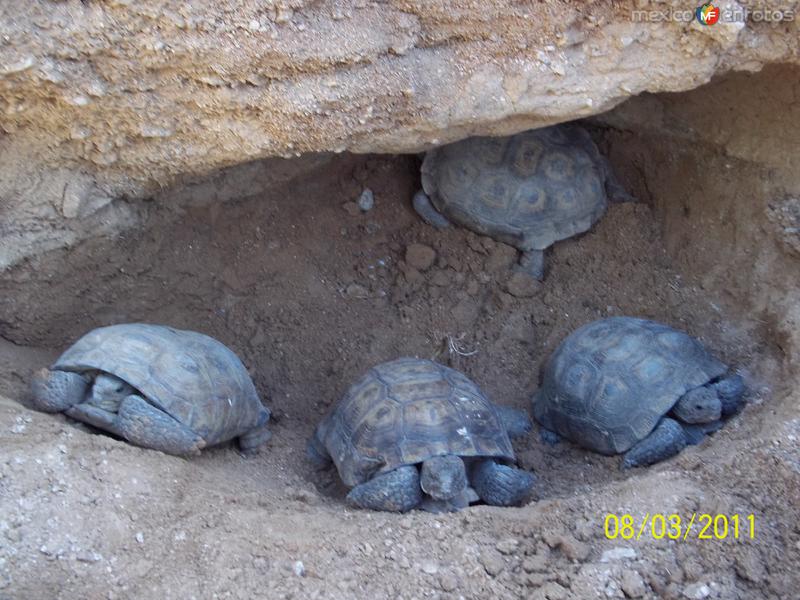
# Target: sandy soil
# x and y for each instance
(310, 293)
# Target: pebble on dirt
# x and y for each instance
(632, 584)
(420, 256)
(523, 285)
(366, 200)
(620, 553)
(493, 562)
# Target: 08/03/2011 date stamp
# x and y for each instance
(659, 526)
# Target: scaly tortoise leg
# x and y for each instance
(666, 440)
(425, 209)
(56, 391)
(143, 424)
(395, 491)
(501, 485)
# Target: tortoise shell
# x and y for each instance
(528, 190)
(191, 376)
(610, 382)
(406, 411)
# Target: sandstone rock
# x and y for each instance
(191, 93)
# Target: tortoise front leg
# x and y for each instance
(532, 263)
(395, 491)
(95, 416)
(424, 207)
(666, 440)
(501, 485)
(143, 424)
(56, 391)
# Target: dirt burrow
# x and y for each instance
(310, 292)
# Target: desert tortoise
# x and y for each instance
(411, 426)
(528, 190)
(155, 386)
(611, 384)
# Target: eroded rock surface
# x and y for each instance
(114, 99)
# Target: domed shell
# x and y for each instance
(528, 190)
(610, 382)
(406, 411)
(191, 376)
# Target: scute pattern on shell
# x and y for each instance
(528, 190)
(406, 411)
(611, 381)
(192, 377)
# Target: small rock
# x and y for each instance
(692, 569)
(537, 563)
(89, 557)
(620, 553)
(632, 584)
(351, 208)
(508, 546)
(553, 591)
(14, 535)
(420, 256)
(501, 258)
(492, 561)
(697, 591)
(569, 546)
(431, 568)
(440, 278)
(298, 568)
(448, 582)
(354, 290)
(366, 200)
(523, 285)
(612, 589)
(140, 537)
(750, 567)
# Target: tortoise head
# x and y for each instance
(443, 477)
(108, 392)
(700, 405)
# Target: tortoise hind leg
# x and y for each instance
(501, 485)
(422, 204)
(144, 425)
(666, 440)
(251, 441)
(395, 491)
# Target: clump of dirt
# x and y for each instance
(310, 291)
